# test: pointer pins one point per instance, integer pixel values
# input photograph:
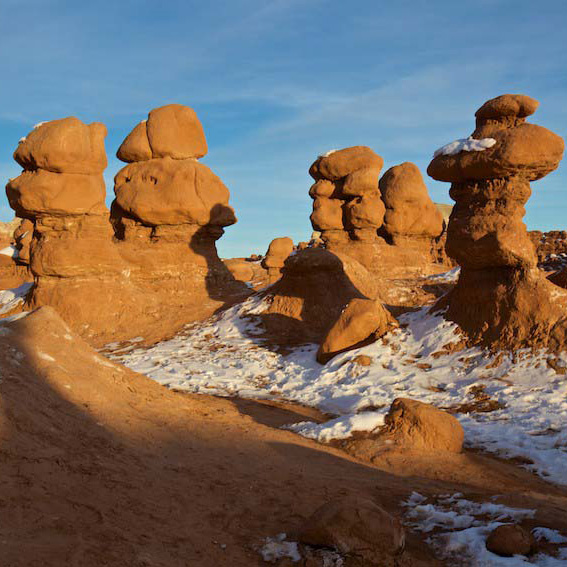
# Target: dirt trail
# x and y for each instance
(100, 466)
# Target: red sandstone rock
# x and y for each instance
(364, 212)
(422, 427)
(42, 192)
(528, 150)
(409, 209)
(510, 539)
(171, 192)
(315, 287)
(136, 146)
(64, 146)
(362, 182)
(327, 214)
(340, 163)
(278, 252)
(501, 298)
(357, 527)
(362, 320)
(175, 131)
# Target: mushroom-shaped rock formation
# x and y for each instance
(61, 191)
(278, 252)
(154, 267)
(390, 226)
(501, 298)
(164, 190)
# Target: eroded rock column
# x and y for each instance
(501, 298)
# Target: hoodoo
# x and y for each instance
(501, 298)
(390, 225)
(153, 265)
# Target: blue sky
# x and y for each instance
(276, 83)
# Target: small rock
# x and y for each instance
(510, 539)
(355, 526)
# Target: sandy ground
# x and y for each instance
(100, 466)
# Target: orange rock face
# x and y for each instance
(64, 146)
(501, 298)
(409, 209)
(41, 192)
(172, 192)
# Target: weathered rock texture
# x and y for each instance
(390, 226)
(501, 298)
(361, 322)
(316, 285)
(356, 527)
(15, 238)
(510, 539)
(278, 252)
(153, 265)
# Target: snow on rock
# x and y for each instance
(465, 145)
(446, 277)
(458, 528)
(11, 251)
(340, 428)
(327, 154)
(227, 356)
(11, 298)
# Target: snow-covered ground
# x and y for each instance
(457, 528)
(11, 298)
(226, 356)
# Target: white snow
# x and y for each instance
(340, 428)
(552, 536)
(446, 277)
(22, 140)
(458, 529)
(465, 145)
(36, 126)
(327, 154)
(45, 356)
(226, 356)
(277, 548)
(10, 251)
(11, 298)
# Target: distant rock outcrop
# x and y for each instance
(501, 298)
(278, 252)
(152, 266)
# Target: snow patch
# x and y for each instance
(11, 298)
(339, 428)
(10, 251)
(277, 548)
(327, 154)
(227, 356)
(458, 529)
(446, 277)
(465, 145)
